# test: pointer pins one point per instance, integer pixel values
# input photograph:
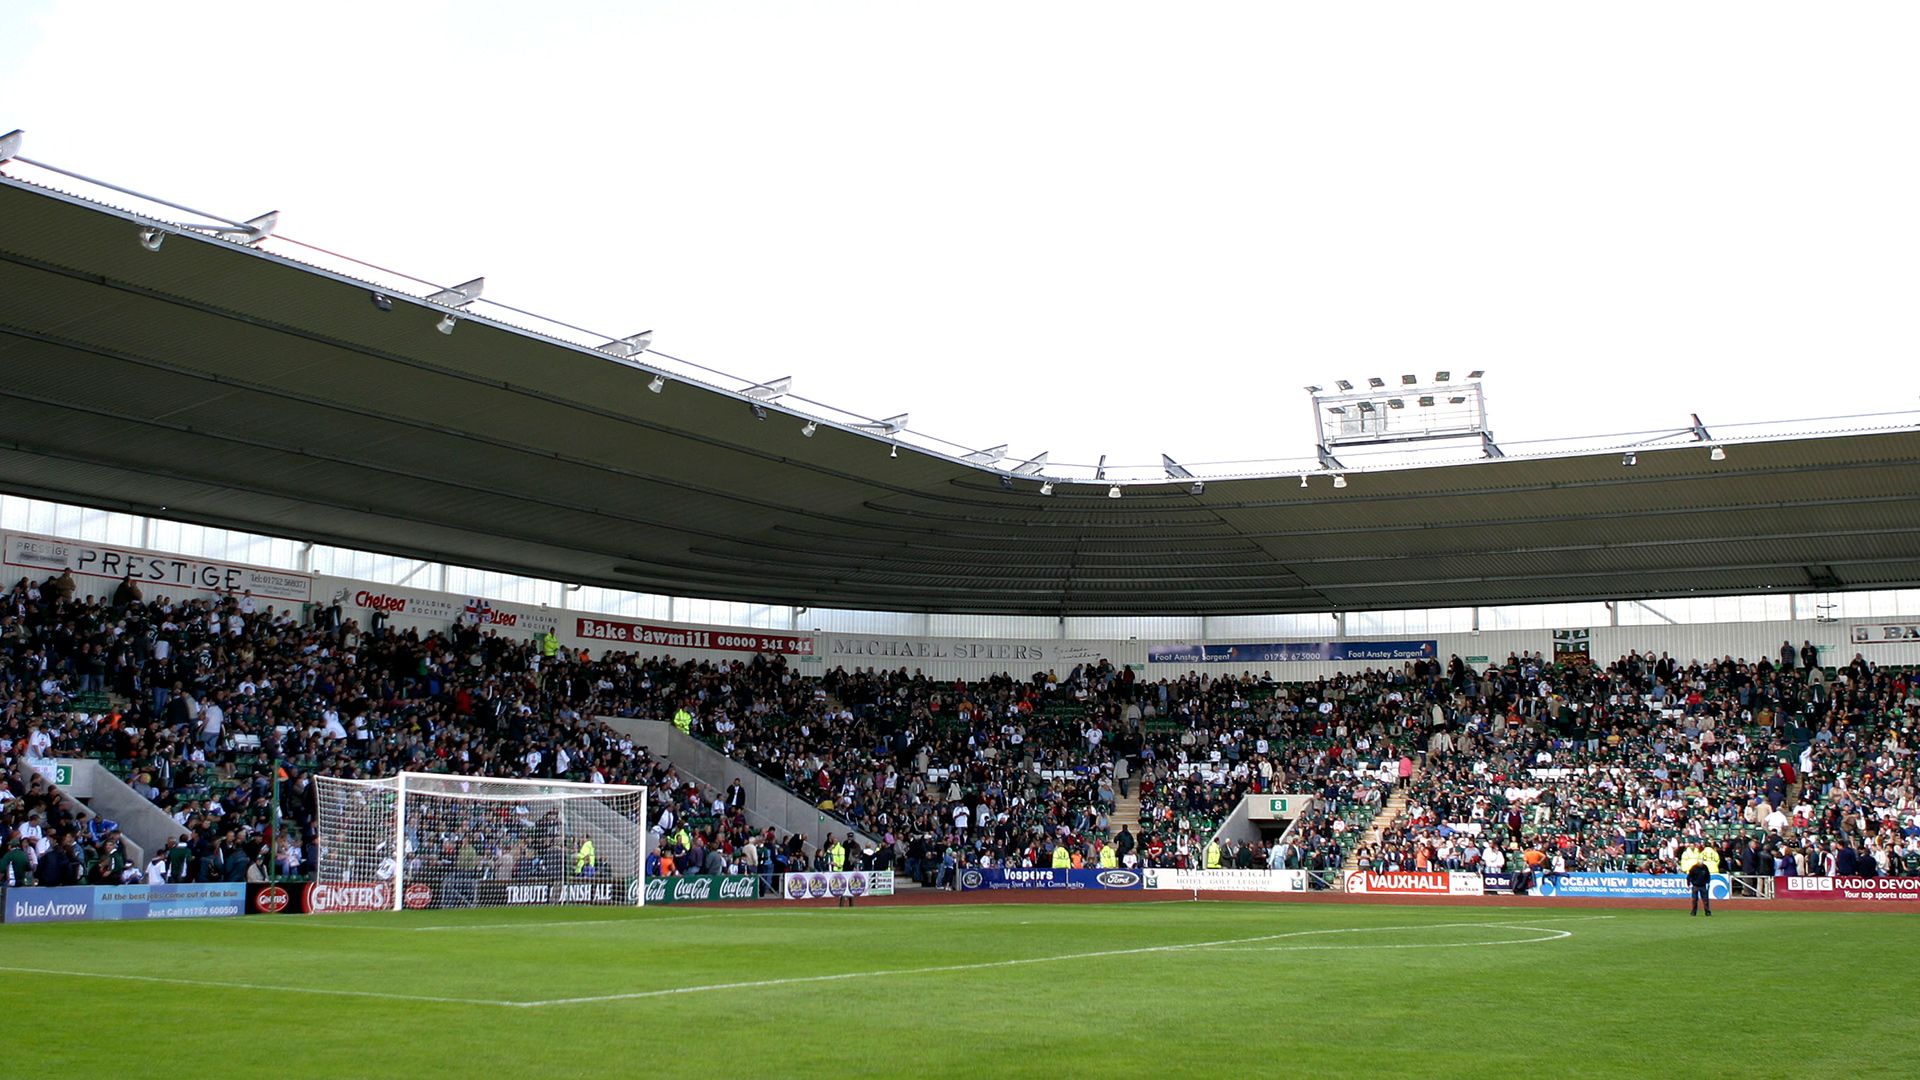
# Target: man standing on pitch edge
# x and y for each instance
(1699, 862)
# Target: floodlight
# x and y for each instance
(446, 324)
(658, 384)
(1046, 488)
(1303, 479)
(1396, 403)
(759, 411)
(1344, 384)
(1457, 399)
(1376, 382)
(812, 426)
(1339, 410)
(1313, 389)
(1409, 380)
(1197, 488)
(1443, 376)
(1113, 492)
(1426, 400)
(1339, 481)
(1629, 459)
(1006, 483)
(1717, 454)
(381, 301)
(894, 452)
(151, 239)
(1475, 373)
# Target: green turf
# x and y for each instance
(1351, 990)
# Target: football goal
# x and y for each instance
(431, 840)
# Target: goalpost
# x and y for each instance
(431, 840)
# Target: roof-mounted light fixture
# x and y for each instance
(985, 457)
(1339, 481)
(1198, 488)
(457, 297)
(658, 384)
(1629, 459)
(771, 390)
(1046, 487)
(628, 347)
(1113, 492)
(1718, 453)
(151, 239)
(812, 426)
(892, 425)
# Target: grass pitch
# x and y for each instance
(992, 990)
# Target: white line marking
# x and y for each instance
(257, 986)
(1551, 935)
(757, 983)
(1222, 945)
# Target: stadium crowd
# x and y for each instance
(1560, 765)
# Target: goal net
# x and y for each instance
(426, 840)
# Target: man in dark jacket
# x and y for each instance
(1699, 880)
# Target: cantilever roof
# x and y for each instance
(216, 383)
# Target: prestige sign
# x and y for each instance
(50, 556)
(680, 637)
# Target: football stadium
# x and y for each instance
(400, 683)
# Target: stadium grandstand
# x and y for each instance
(266, 531)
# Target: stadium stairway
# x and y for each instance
(1126, 811)
(1395, 806)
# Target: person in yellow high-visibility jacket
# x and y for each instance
(583, 859)
(1109, 859)
(549, 644)
(837, 856)
(1213, 854)
(683, 720)
(1062, 858)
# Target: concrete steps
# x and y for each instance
(1396, 805)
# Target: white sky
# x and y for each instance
(1087, 228)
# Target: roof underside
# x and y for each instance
(213, 383)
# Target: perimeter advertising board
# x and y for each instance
(111, 903)
(1290, 652)
(821, 885)
(1668, 886)
(1415, 883)
(1227, 880)
(1847, 888)
(998, 878)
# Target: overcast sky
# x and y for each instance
(1087, 228)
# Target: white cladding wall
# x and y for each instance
(939, 656)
